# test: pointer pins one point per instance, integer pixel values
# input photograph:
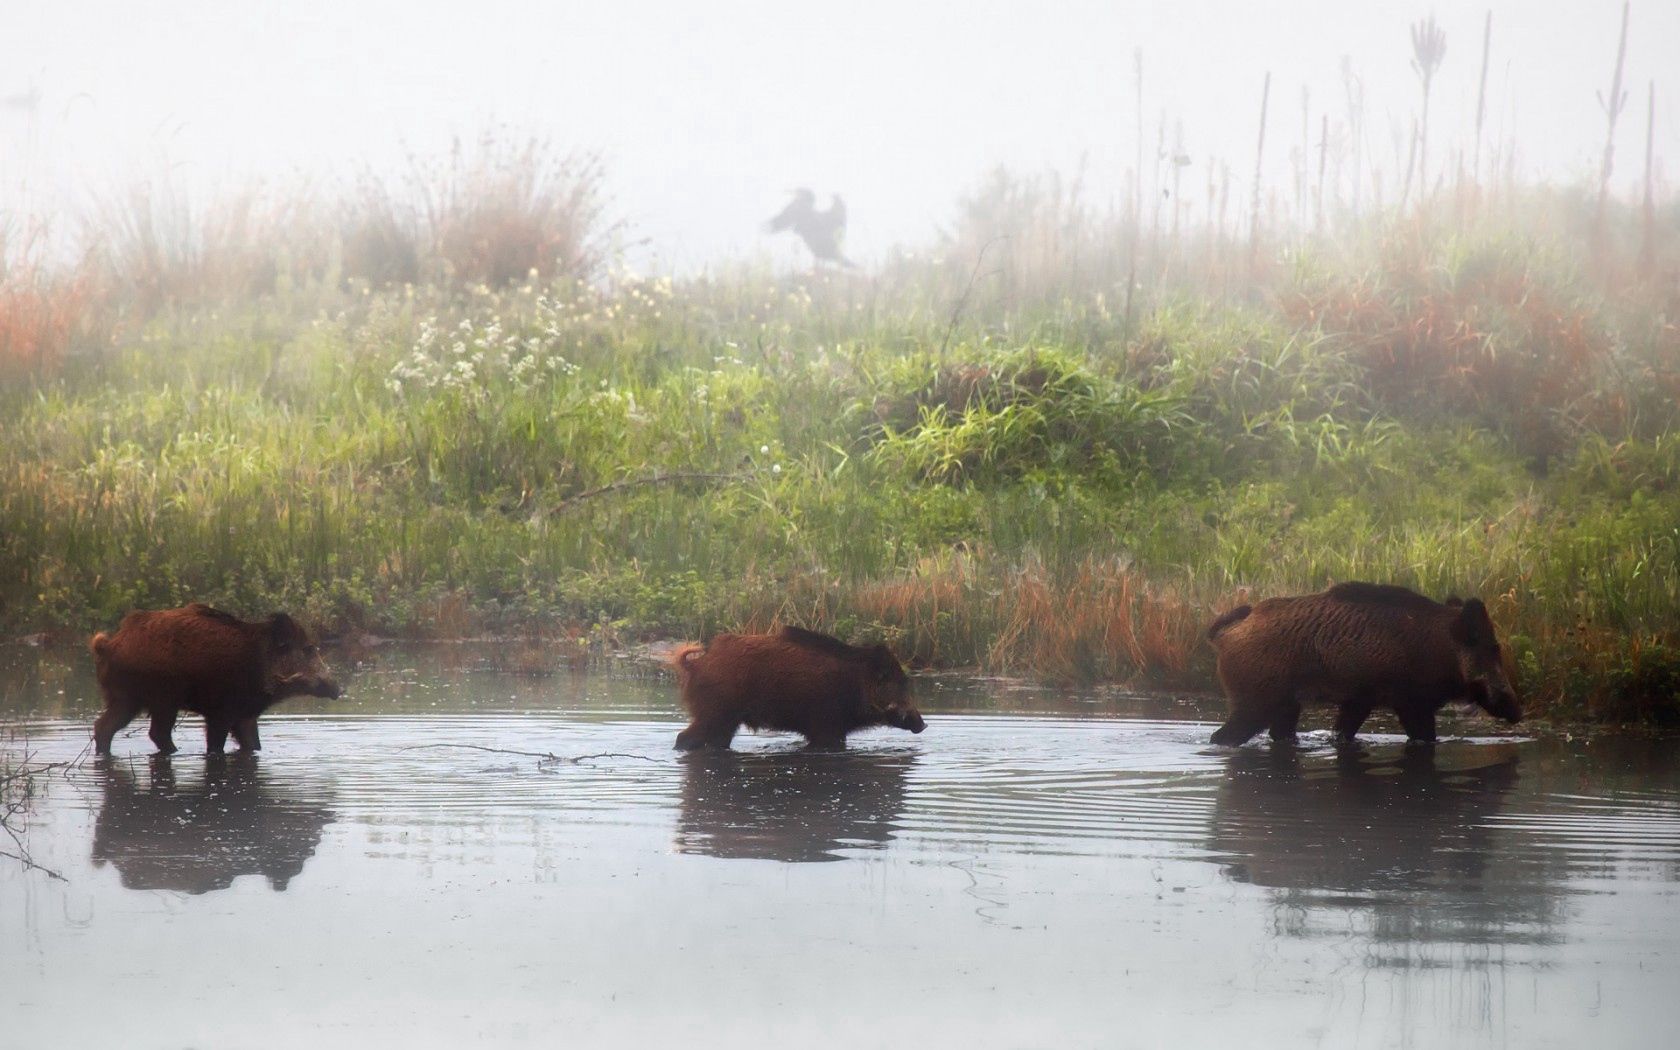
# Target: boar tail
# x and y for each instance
(1225, 620)
(682, 658)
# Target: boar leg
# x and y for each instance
(119, 712)
(707, 734)
(245, 735)
(163, 728)
(215, 734)
(1240, 727)
(1285, 722)
(1419, 723)
(1349, 718)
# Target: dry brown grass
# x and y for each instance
(1102, 620)
(450, 616)
(1099, 621)
(157, 247)
(44, 310)
(498, 212)
(494, 213)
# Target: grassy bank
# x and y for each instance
(991, 454)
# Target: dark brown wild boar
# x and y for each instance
(201, 659)
(1359, 646)
(794, 680)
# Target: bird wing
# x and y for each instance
(784, 219)
(837, 218)
(822, 242)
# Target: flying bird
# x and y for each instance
(822, 231)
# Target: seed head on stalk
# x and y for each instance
(1429, 47)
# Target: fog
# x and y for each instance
(707, 115)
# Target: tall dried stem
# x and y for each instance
(1259, 156)
(1429, 47)
(1612, 105)
(1137, 195)
(1648, 209)
(1323, 159)
(1355, 90)
(1481, 101)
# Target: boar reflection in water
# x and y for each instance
(202, 834)
(790, 806)
(1400, 832)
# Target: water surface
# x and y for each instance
(1037, 869)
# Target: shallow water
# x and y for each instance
(1037, 869)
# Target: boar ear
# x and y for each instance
(883, 664)
(283, 631)
(1471, 628)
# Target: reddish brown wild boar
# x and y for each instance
(1359, 646)
(795, 680)
(201, 659)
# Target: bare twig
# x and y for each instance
(653, 479)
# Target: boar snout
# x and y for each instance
(911, 720)
(1498, 699)
(310, 685)
(1504, 704)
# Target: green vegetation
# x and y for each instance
(988, 455)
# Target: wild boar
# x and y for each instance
(1359, 646)
(201, 659)
(795, 680)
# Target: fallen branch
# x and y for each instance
(610, 754)
(540, 756)
(29, 863)
(651, 480)
(30, 771)
(14, 805)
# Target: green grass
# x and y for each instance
(1029, 486)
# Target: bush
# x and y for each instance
(1033, 413)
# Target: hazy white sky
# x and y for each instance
(707, 112)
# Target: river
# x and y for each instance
(1040, 868)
